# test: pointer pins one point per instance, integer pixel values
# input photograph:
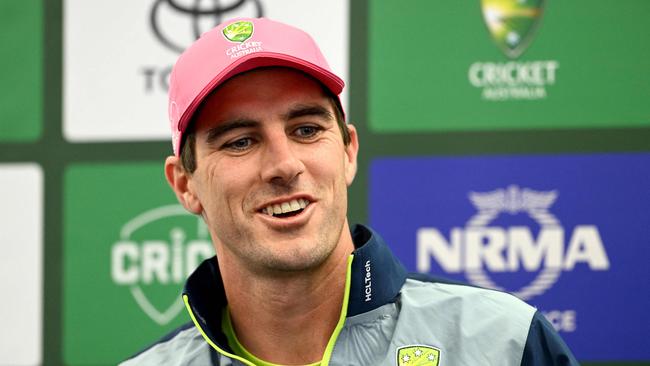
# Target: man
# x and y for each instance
(262, 152)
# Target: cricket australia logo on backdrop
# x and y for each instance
(512, 25)
(483, 251)
(156, 252)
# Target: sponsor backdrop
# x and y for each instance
(21, 227)
(505, 143)
(133, 256)
(528, 64)
(567, 233)
(22, 70)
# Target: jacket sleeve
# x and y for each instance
(544, 346)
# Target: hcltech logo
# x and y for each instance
(512, 25)
(154, 256)
(479, 249)
(176, 24)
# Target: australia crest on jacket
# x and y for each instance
(418, 355)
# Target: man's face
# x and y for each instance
(272, 171)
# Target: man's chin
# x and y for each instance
(296, 261)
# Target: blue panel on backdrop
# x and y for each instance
(570, 234)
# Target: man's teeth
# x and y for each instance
(285, 207)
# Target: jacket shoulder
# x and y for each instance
(467, 323)
(458, 296)
(184, 345)
(488, 315)
(544, 345)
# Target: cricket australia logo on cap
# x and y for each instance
(418, 355)
(512, 23)
(238, 31)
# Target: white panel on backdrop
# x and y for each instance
(21, 280)
(118, 54)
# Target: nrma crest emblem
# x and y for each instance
(485, 251)
(156, 252)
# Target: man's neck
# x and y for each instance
(289, 319)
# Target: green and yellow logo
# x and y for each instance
(512, 23)
(418, 355)
(238, 31)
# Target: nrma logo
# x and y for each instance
(156, 252)
(480, 249)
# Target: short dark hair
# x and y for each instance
(188, 145)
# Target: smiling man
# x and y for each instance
(263, 154)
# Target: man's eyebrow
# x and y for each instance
(215, 132)
(308, 110)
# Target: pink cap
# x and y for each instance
(234, 47)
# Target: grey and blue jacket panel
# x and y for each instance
(388, 311)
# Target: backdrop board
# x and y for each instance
(128, 249)
(502, 64)
(21, 263)
(567, 233)
(21, 70)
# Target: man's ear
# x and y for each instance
(351, 151)
(180, 181)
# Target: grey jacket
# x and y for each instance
(391, 319)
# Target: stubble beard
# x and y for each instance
(302, 257)
(260, 257)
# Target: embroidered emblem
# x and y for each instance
(418, 355)
(238, 31)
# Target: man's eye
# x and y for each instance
(239, 144)
(307, 131)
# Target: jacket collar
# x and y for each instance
(376, 279)
(377, 276)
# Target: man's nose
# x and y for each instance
(280, 164)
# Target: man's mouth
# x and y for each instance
(286, 209)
